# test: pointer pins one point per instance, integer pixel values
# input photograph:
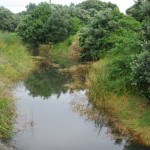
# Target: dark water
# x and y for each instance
(47, 119)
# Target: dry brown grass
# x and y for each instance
(75, 51)
(78, 73)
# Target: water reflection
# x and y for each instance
(46, 82)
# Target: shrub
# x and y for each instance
(32, 28)
(58, 24)
(141, 73)
(93, 38)
(9, 21)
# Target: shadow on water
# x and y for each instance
(53, 126)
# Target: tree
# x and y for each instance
(40, 26)
(93, 38)
(89, 8)
(33, 27)
(9, 21)
(141, 73)
(134, 10)
(140, 10)
(145, 8)
(30, 7)
(58, 24)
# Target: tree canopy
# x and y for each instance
(33, 26)
(9, 21)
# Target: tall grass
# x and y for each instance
(131, 112)
(61, 52)
(15, 62)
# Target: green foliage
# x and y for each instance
(127, 44)
(93, 38)
(118, 38)
(145, 9)
(30, 7)
(61, 52)
(75, 25)
(9, 21)
(92, 4)
(43, 24)
(146, 29)
(135, 12)
(146, 36)
(33, 27)
(141, 63)
(141, 73)
(140, 10)
(87, 9)
(58, 24)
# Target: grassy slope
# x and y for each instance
(15, 62)
(130, 113)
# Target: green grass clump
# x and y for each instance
(61, 52)
(15, 62)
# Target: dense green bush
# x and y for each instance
(9, 21)
(42, 24)
(76, 25)
(140, 10)
(87, 9)
(127, 45)
(141, 63)
(135, 12)
(58, 24)
(93, 38)
(146, 36)
(32, 28)
(141, 73)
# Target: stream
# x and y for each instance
(51, 116)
